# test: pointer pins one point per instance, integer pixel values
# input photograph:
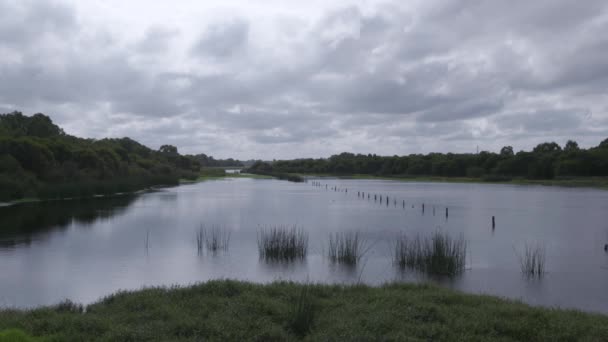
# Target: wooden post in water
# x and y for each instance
(433, 210)
(422, 208)
(493, 222)
(403, 204)
(446, 212)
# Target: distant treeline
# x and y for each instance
(37, 159)
(209, 161)
(545, 161)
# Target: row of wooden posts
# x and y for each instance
(362, 194)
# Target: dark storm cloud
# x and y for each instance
(457, 71)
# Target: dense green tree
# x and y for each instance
(546, 161)
(38, 159)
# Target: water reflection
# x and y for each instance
(24, 223)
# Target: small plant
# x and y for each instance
(532, 261)
(282, 243)
(216, 238)
(345, 248)
(302, 313)
(439, 254)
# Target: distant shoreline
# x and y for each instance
(590, 182)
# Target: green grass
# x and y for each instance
(229, 310)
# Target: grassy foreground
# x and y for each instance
(230, 310)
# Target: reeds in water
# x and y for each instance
(345, 248)
(532, 261)
(216, 238)
(282, 243)
(439, 254)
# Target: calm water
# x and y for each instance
(83, 250)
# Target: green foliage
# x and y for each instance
(15, 335)
(265, 169)
(38, 159)
(209, 161)
(547, 161)
(239, 311)
(212, 172)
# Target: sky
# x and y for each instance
(287, 79)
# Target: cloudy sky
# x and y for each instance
(286, 79)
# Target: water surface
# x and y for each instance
(83, 250)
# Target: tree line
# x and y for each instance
(38, 159)
(546, 161)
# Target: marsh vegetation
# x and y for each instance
(532, 260)
(345, 248)
(282, 243)
(438, 254)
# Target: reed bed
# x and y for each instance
(345, 248)
(282, 243)
(214, 239)
(532, 261)
(439, 254)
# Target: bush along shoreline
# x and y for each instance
(233, 310)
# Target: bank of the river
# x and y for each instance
(229, 310)
(205, 177)
(590, 182)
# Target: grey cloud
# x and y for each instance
(24, 22)
(156, 39)
(545, 120)
(457, 71)
(223, 39)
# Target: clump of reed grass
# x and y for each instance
(216, 238)
(532, 261)
(302, 313)
(439, 254)
(345, 248)
(282, 243)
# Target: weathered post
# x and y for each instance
(446, 212)
(422, 208)
(493, 222)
